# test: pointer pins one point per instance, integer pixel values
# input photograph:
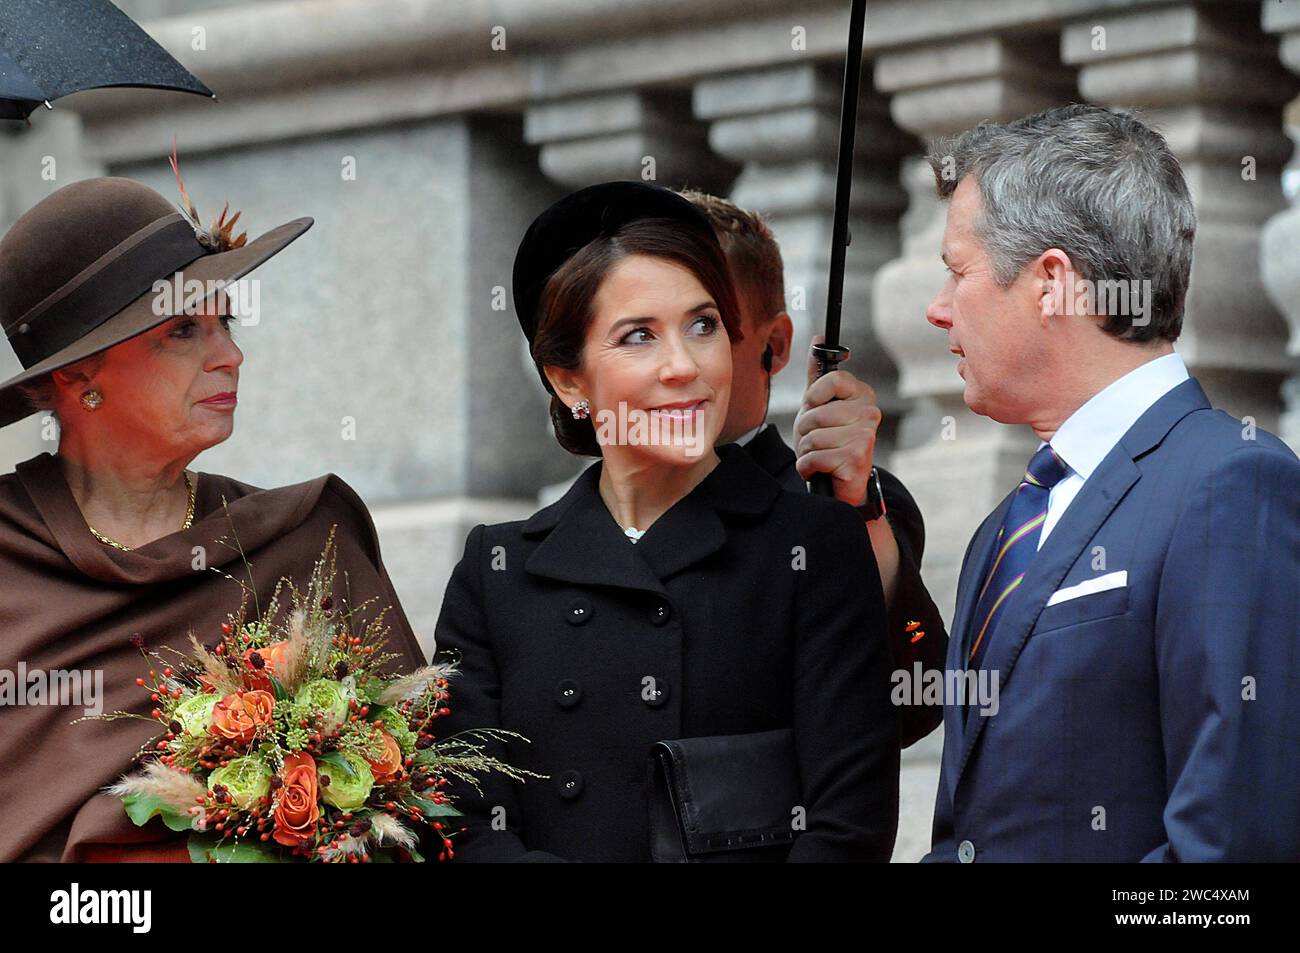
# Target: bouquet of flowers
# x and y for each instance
(285, 742)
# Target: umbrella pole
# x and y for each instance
(830, 353)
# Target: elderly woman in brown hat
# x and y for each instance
(111, 542)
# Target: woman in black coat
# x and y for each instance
(739, 607)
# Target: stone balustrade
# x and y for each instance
(423, 136)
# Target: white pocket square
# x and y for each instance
(1112, 580)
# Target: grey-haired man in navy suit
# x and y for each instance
(1137, 595)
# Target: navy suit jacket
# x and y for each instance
(1158, 720)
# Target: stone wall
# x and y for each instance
(423, 135)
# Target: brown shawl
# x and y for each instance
(68, 602)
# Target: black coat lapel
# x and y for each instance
(582, 543)
(774, 456)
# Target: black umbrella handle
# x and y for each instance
(827, 359)
(829, 353)
(840, 236)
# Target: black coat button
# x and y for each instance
(569, 784)
(654, 691)
(568, 693)
(661, 613)
(578, 613)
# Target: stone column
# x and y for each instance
(958, 465)
(782, 125)
(1210, 81)
(1280, 240)
(630, 134)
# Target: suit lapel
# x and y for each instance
(1076, 529)
(1084, 516)
(972, 577)
(972, 574)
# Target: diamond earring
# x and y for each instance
(91, 399)
(581, 410)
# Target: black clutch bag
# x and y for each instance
(726, 799)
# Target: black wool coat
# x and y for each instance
(914, 628)
(731, 615)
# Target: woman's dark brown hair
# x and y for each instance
(567, 306)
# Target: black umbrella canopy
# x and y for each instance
(50, 48)
(18, 94)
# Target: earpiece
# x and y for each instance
(767, 359)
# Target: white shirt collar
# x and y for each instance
(1092, 431)
(745, 438)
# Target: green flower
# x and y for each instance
(257, 632)
(195, 713)
(346, 790)
(327, 695)
(246, 780)
(395, 725)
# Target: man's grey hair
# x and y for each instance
(1097, 184)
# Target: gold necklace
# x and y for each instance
(189, 518)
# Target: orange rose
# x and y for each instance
(273, 661)
(238, 716)
(297, 812)
(386, 766)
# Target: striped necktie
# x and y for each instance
(1016, 545)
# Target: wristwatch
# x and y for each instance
(874, 506)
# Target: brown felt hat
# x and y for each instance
(77, 271)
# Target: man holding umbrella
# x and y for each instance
(835, 434)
